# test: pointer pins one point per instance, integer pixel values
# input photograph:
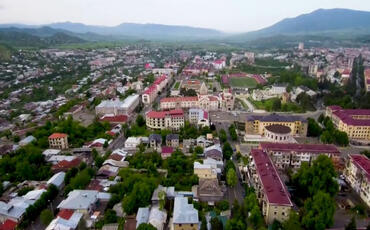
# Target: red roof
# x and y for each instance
(95, 185)
(178, 99)
(274, 188)
(362, 162)
(65, 213)
(57, 135)
(8, 225)
(166, 150)
(115, 119)
(219, 61)
(292, 147)
(64, 165)
(347, 116)
(163, 114)
(115, 157)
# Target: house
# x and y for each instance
(58, 141)
(142, 216)
(57, 180)
(169, 191)
(66, 164)
(27, 140)
(185, 216)
(203, 142)
(166, 152)
(214, 152)
(157, 217)
(209, 190)
(66, 219)
(83, 201)
(155, 141)
(132, 142)
(173, 140)
(8, 225)
(188, 144)
(205, 171)
(51, 152)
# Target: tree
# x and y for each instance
(255, 217)
(276, 225)
(222, 205)
(326, 137)
(314, 129)
(293, 223)
(318, 211)
(110, 216)
(227, 151)
(232, 132)
(222, 135)
(105, 145)
(145, 226)
(216, 224)
(46, 216)
(341, 138)
(231, 178)
(352, 224)
(198, 150)
(140, 121)
(276, 104)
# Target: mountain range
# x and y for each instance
(331, 23)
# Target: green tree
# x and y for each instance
(314, 129)
(352, 224)
(140, 121)
(162, 199)
(216, 224)
(198, 150)
(145, 226)
(276, 225)
(46, 216)
(276, 104)
(318, 211)
(326, 137)
(231, 177)
(232, 132)
(222, 135)
(255, 217)
(341, 138)
(227, 151)
(293, 223)
(110, 216)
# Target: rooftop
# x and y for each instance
(57, 135)
(274, 188)
(348, 116)
(276, 118)
(289, 147)
(163, 114)
(183, 212)
(361, 162)
(282, 129)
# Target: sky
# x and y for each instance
(225, 15)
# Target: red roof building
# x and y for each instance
(65, 165)
(65, 213)
(119, 119)
(57, 135)
(8, 225)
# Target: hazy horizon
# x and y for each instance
(233, 16)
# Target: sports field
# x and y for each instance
(243, 82)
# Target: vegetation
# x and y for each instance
(243, 82)
(145, 226)
(231, 177)
(80, 180)
(222, 135)
(46, 216)
(332, 135)
(232, 132)
(227, 151)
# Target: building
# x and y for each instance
(83, 201)
(357, 174)
(227, 100)
(173, 140)
(271, 192)
(209, 190)
(185, 216)
(256, 124)
(214, 152)
(367, 80)
(155, 141)
(27, 140)
(58, 141)
(66, 219)
(196, 85)
(173, 119)
(151, 93)
(57, 180)
(132, 142)
(292, 155)
(199, 117)
(301, 46)
(117, 107)
(354, 122)
(205, 171)
(278, 133)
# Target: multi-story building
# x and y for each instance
(185, 216)
(198, 117)
(207, 102)
(271, 192)
(173, 119)
(357, 174)
(255, 125)
(151, 93)
(58, 141)
(354, 122)
(117, 107)
(292, 155)
(367, 80)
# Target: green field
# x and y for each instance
(243, 82)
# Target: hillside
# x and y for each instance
(340, 23)
(5, 52)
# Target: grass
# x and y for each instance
(243, 82)
(177, 85)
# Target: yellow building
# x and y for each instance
(271, 192)
(354, 122)
(357, 174)
(58, 141)
(255, 125)
(204, 171)
(173, 119)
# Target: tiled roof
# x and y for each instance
(179, 99)
(57, 135)
(64, 165)
(312, 148)
(276, 118)
(362, 162)
(163, 114)
(274, 188)
(65, 213)
(8, 225)
(118, 118)
(346, 116)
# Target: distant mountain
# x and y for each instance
(331, 22)
(129, 31)
(36, 37)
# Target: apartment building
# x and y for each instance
(292, 155)
(173, 119)
(271, 192)
(151, 93)
(117, 107)
(357, 173)
(256, 124)
(354, 122)
(58, 141)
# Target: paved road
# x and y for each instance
(117, 143)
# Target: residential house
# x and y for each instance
(173, 140)
(185, 216)
(58, 141)
(155, 141)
